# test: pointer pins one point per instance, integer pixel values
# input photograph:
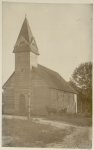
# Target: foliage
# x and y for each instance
(82, 76)
(81, 80)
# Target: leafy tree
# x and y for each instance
(81, 80)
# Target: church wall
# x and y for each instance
(53, 100)
(8, 101)
(63, 100)
(26, 95)
(40, 97)
(11, 101)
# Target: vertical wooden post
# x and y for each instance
(29, 106)
(75, 99)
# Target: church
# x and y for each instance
(32, 87)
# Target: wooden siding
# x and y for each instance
(22, 70)
(8, 101)
(40, 97)
(62, 100)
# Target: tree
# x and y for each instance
(81, 80)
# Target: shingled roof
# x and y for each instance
(52, 79)
(25, 41)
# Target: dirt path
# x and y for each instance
(54, 123)
(78, 139)
(81, 137)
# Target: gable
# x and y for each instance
(10, 81)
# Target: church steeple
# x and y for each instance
(25, 41)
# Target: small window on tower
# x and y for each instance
(22, 42)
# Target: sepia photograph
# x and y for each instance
(47, 75)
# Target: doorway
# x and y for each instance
(22, 105)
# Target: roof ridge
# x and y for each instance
(60, 78)
(28, 28)
(47, 68)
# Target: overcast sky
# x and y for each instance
(63, 33)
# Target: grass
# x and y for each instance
(26, 133)
(71, 119)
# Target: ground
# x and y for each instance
(45, 132)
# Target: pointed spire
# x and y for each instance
(25, 41)
(25, 15)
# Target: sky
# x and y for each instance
(63, 33)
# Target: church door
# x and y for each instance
(22, 105)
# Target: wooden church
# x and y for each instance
(33, 87)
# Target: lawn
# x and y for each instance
(71, 119)
(25, 133)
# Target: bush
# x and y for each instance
(51, 110)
